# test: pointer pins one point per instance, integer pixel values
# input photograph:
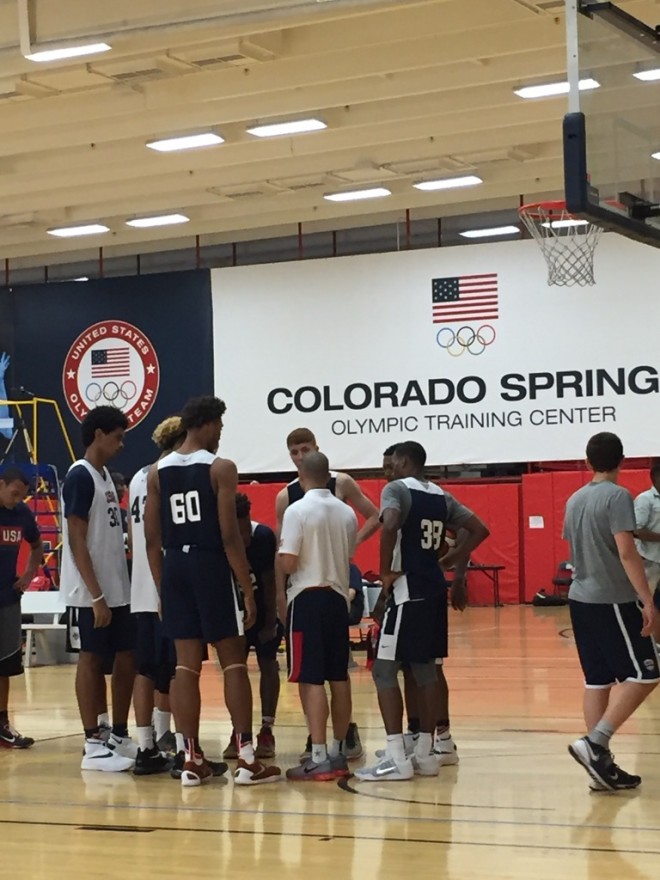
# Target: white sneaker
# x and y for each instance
(444, 748)
(123, 745)
(426, 765)
(409, 743)
(387, 770)
(98, 756)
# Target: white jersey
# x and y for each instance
(92, 496)
(144, 595)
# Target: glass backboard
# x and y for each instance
(612, 130)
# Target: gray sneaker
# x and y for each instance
(167, 744)
(353, 745)
(326, 771)
(339, 765)
(387, 770)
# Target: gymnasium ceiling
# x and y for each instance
(410, 90)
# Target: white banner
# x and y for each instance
(465, 349)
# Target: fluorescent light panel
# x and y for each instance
(564, 224)
(487, 233)
(376, 192)
(73, 231)
(648, 75)
(556, 88)
(162, 220)
(655, 155)
(186, 142)
(448, 183)
(70, 52)
(276, 129)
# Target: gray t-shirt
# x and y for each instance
(594, 514)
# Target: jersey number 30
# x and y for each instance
(431, 533)
(185, 507)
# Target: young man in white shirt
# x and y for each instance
(316, 544)
(95, 582)
(647, 534)
(300, 442)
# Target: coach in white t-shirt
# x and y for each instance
(94, 582)
(316, 543)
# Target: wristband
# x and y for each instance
(98, 598)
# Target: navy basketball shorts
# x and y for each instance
(199, 599)
(154, 653)
(610, 645)
(118, 636)
(317, 644)
(11, 660)
(415, 631)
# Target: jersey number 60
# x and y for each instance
(185, 507)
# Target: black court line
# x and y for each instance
(344, 784)
(324, 838)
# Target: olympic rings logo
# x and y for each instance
(110, 391)
(464, 339)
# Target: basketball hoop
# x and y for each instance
(567, 243)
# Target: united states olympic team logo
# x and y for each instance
(112, 363)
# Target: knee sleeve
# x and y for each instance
(384, 674)
(424, 673)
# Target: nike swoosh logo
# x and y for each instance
(384, 771)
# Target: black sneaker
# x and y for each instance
(167, 744)
(353, 743)
(11, 739)
(150, 761)
(306, 753)
(599, 764)
(219, 767)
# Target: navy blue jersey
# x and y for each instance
(188, 502)
(426, 513)
(261, 558)
(16, 524)
(295, 490)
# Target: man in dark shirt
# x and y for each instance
(17, 524)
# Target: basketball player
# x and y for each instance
(316, 544)
(415, 514)
(16, 524)
(647, 516)
(265, 635)
(443, 743)
(191, 515)
(612, 632)
(300, 442)
(95, 584)
(155, 657)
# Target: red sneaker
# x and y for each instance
(194, 773)
(265, 743)
(11, 739)
(255, 774)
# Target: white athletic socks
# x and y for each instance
(103, 720)
(180, 742)
(396, 748)
(601, 734)
(424, 745)
(161, 723)
(335, 748)
(245, 751)
(319, 753)
(145, 737)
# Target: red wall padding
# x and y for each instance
(498, 504)
(546, 495)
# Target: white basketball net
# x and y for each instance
(567, 244)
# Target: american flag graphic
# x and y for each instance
(465, 298)
(111, 362)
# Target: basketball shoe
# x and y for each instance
(255, 774)
(599, 764)
(445, 749)
(98, 756)
(387, 770)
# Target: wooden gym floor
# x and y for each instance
(516, 806)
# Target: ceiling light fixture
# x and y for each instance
(277, 129)
(448, 183)
(488, 233)
(564, 224)
(70, 52)
(162, 220)
(186, 142)
(551, 89)
(376, 192)
(73, 231)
